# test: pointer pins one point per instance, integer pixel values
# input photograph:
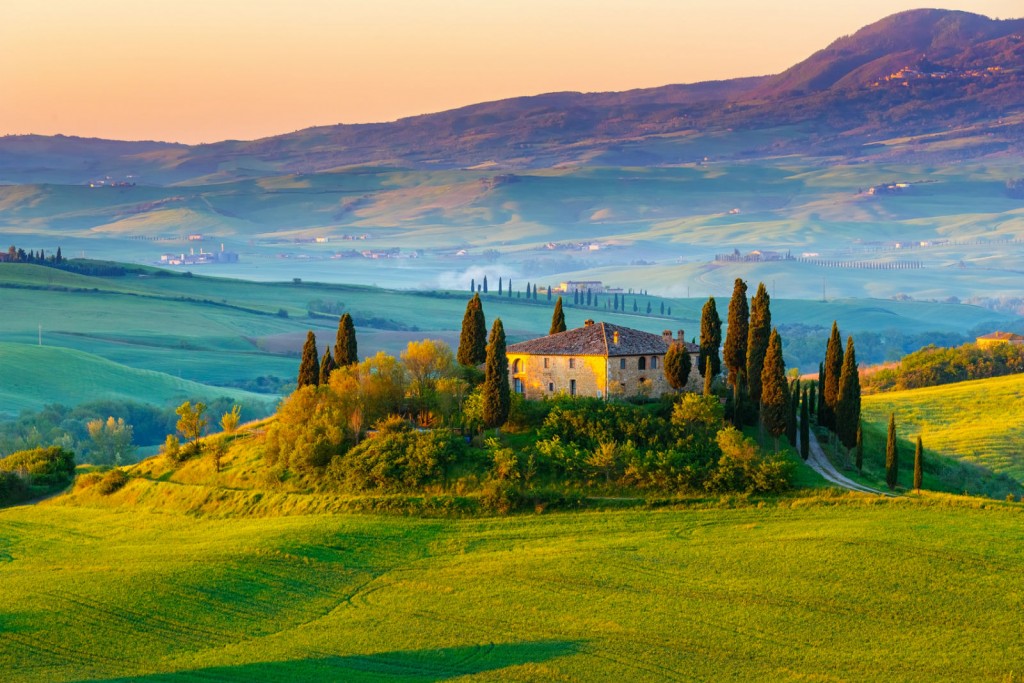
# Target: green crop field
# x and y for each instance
(981, 421)
(846, 588)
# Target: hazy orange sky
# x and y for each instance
(206, 70)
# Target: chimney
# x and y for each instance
(615, 337)
(588, 322)
(667, 336)
(680, 337)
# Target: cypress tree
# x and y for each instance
(557, 318)
(500, 290)
(814, 398)
(472, 285)
(326, 366)
(648, 308)
(663, 313)
(473, 338)
(775, 389)
(918, 464)
(485, 284)
(677, 365)
(710, 337)
(669, 313)
(345, 347)
(892, 456)
(588, 296)
(549, 292)
(709, 377)
(848, 407)
(758, 331)
(509, 288)
(833, 371)
(59, 258)
(821, 394)
(496, 394)
(575, 297)
(309, 368)
(805, 426)
(635, 307)
(793, 421)
(736, 336)
(860, 450)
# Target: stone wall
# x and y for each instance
(595, 375)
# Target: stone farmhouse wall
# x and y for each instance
(538, 376)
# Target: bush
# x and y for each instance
(87, 480)
(52, 466)
(112, 481)
(13, 488)
(397, 458)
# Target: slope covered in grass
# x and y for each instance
(757, 593)
(980, 421)
(33, 376)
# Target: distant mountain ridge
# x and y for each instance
(914, 72)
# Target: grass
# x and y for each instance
(981, 422)
(853, 587)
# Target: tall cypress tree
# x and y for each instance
(557, 318)
(820, 386)
(793, 423)
(833, 371)
(709, 378)
(485, 284)
(549, 292)
(473, 338)
(710, 337)
(326, 366)
(309, 368)
(510, 288)
(496, 393)
(736, 336)
(859, 462)
(918, 464)
(775, 389)
(892, 456)
(758, 331)
(500, 290)
(805, 426)
(848, 406)
(345, 347)
(677, 365)
(814, 398)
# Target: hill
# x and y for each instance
(34, 376)
(980, 422)
(955, 69)
(748, 593)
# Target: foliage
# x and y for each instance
(759, 330)
(833, 370)
(677, 365)
(229, 420)
(49, 467)
(918, 464)
(742, 468)
(735, 350)
(172, 449)
(473, 339)
(326, 366)
(309, 367)
(191, 423)
(892, 456)
(346, 348)
(311, 428)
(805, 426)
(496, 391)
(557, 318)
(111, 482)
(111, 441)
(710, 338)
(397, 458)
(934, 366)
(847, 414)
(775, 400)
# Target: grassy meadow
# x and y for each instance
(860, 588)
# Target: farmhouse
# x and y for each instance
(598, 359)
(996, 338)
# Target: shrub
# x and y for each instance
(87, 480)
(13, 488)
(112, 481)
(397, 458)
(51, 466)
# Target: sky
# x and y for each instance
(207, 70)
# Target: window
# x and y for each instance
(517, 386)
(572, 387)
(572, 363)
(551, 387)
(622, 364)
(641, 364)
(654, 362)
(517, 366)
(546, 363)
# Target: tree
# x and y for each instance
(820, 386)
(709, 378)
(485, 284)
(345, 347)
(473, 339)
(509, 288)
(427, 362)
(736, 337)
(309, 368)
(677, 365)
(805, 426)
(191, 423)
(775, 389)
(557, 319)
(833, 372)
(229, 420)
(892, 456)
(710, 337)
(758, 331)
(472, 285)
(814, 397)
(549, 292)
(496, 394)
(326, 366)
(111, 441)
(793, 416)
(500, 290)
(847, 415)
(859, 462)
(918, 464)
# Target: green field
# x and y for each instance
(830, 588)
(980, 421)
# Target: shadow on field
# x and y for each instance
(408, 665)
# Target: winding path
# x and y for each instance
(820, 463)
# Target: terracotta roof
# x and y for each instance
(598, 339)
(1003, 336)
